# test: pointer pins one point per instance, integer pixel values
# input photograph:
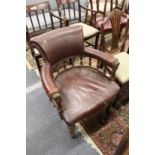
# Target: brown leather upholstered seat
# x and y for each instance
(83, 91)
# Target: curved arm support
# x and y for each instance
(106, 58)
(50, 87)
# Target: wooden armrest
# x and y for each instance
(47, 80)
(60, 18)
(50, 87)
(107, 58)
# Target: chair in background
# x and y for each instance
(114, 19)
(117, 48)
(39, 20)
(76, 14)
(105, 6)
(79, 89)
(101, 9)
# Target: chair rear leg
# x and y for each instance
(71, 130)
(96, 40)
(38, 63)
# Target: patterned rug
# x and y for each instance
(107, 134)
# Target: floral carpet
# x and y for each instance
(108, 134)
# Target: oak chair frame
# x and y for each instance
(114, 17)
(95, 12)
(92, 55)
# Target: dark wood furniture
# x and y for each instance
(39, 20)
(81, 88)
(77, 15)
(114, 19)
(101, 10)
(122, 74)
(105, 6)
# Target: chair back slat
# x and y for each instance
(31, 21)
(69, 9)
(38, 14)
(43, 12)
(91, 4)
(97, 4)
(52, 22)
(123, 3)
(116, 3)
(63, 6)
(115, 19)
(105, 7)
(38, 19)
(74, 10)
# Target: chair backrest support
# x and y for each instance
(69, 9)
(115, 19)
(105, 6)
(60, 44)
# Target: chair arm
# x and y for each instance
(60, 18)
(47, 80)
(50, 87)
(107, 58)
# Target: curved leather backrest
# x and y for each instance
(59, 44)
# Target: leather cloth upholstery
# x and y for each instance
(47, 80)
(84, 91)
(60, 44)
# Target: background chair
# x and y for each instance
(114, 19)
(40, 19)
(103, 8)
(76, 14)
(117, 48)
(81, 88)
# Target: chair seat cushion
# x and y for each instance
(122, 73)
(107, 26)
(83, 92)
(88, 31)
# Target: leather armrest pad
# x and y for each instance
(47, 80)
(107, 58)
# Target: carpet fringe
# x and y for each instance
(88, 139)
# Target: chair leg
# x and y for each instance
(31, 50)
(71, 130)
(96, 41)
(123, 96)
(102, 43)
